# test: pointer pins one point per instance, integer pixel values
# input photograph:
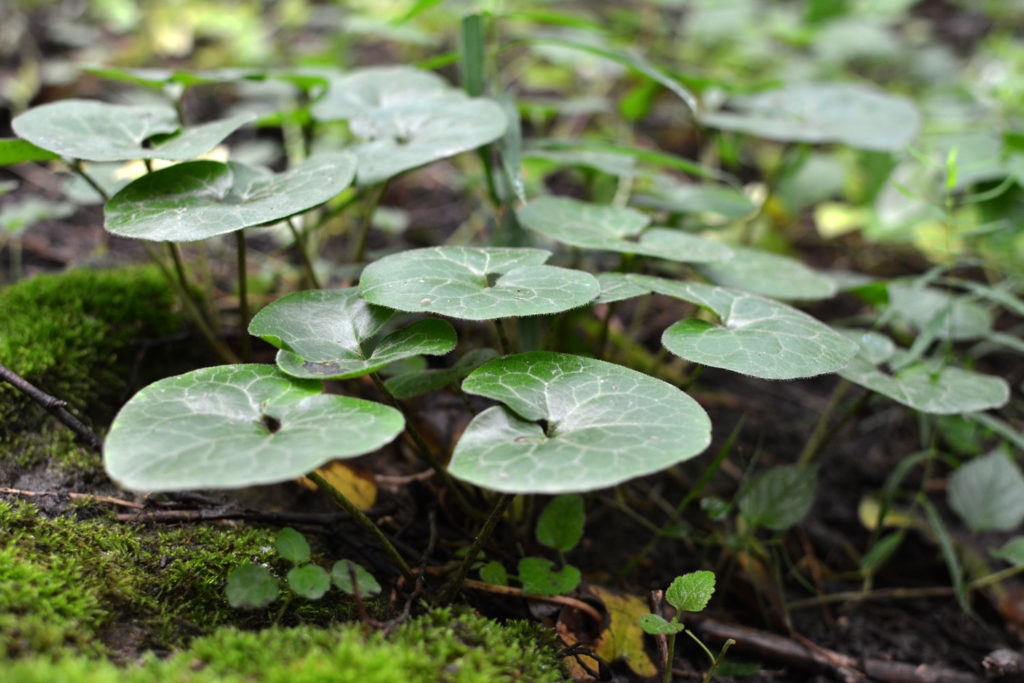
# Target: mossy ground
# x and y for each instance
(84, 597)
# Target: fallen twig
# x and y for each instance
(75, 496)
(518, 592)
(52, 405)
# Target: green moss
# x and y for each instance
(439, 646)
(73, 335)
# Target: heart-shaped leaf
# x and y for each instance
(330, 334)
(420, 382)
(98, 131)
(402, 138)
(768, 274)
(539, 577)
(309, 581)
(759, 337)
(602, 424)
(238, 425)
(847, 113)
(691, 592)
(367, 91)
(475, 283)
(201, 199)
(593, 226)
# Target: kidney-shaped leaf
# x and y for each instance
(330, 334)
(196, 200)
(758, 336)
(592, 226)
(238, 425)
(401, 138)
(367, 91)
(768, 274)
(988, 492)
(964, 319)
(573, 424)
(475, 283)
(847, 113)
(99, 131)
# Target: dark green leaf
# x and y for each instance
(309, 581)
(539, 577)
(292, 545)
(251, 586)
(780, 497)
(560, 525)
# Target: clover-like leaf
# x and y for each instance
(773, 275)
(759, 337)
(600, 424)
(988, 492)
(692, 591)
(99, 131)
(200, 199)
(330, 334)
(402, 138)
(251, 586)
(367, 91)
(418, 382)
(292, 546)
(847, 113)
(539, 577)
(341, 574)
(593, 226)
(309, 581)
(657, 626)
(238, 425)
(475, 283)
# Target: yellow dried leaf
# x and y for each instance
(357, 485)
(623, 637)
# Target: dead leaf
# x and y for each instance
(355, 484)
(623, 637)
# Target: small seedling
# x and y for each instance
(688, 593)
(252, 586)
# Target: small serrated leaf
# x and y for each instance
(251, 586)
(309, 581)
(292, 545)
(691, 592)
(655, 625)
(779, 498)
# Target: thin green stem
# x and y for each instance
(602, 340)
(718, 660)
(455, 583)
(76, 166)
(667, 677)
(831, 432)
(372, 201)
(503, 344)
(492, 188)
(817, 439)
(364, 522)
(307, 264)
(243, 296)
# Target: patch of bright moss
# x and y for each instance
(72, 336)
(439, 646)
(99, 585)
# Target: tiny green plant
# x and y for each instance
(688, 593)
(253, 586)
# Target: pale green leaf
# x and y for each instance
(846, 113)
(691, 592)
(780, 497)
(759, 337)
(330, 334)
(916, 305)
(309, 581)
(602, 424)
(988, 492)
(251, 586)
(618, 287)
(1012, 551)
(475, 283)
(767, 274)
(625, 230)
(98, 131)
(200, 199)
(367, 91)
(292, 546)
(238, 425)
(655, 625)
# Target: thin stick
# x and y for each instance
(243, 296)
(366, 523)
(364, 230)
(459, 578)
(74, 496)
(503, 344)
(54, 406)
(76, 166)
(307, 265)
(518, 592)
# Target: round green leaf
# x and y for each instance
(402, 138)
(200, 199)
(341, 574)
(768, 274)
(602, 424)
(475, 283)
(330, 334)
(988, 492)
(560, 525)
(926, 386)
(309, 581)
(846, 113)
(594, 226)
(292, 546)
(251, 586)
(691, 592)
(367, 91)
(539, 577)
(98, 131)
(238, 425)
(758, 336)
(779, 498)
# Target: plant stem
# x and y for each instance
(364, 522)
(372, 200)
(836, 426)
(222, 351)
(503, 344)
(76, 166)
(667, 678)
(602, 340)
(243, 297)
(307, 265)
(455, 583)
(817, 439)
(718, 660)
